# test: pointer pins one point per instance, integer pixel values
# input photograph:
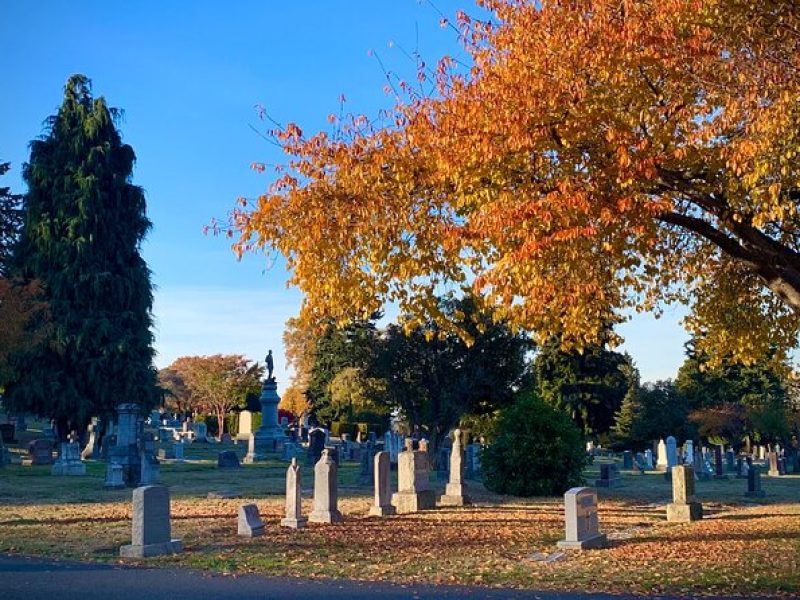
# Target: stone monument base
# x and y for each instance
(382, 511)
(411, 502)
(596, 541)
(324, 516)
(684, 513)
(455, 495)
(131, 551)
(756, 494)
(114, 479)
(68, 468)
(607, 483)
(297, 523)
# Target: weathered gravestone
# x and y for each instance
(609, 476)
(648, 459)
(227, 459)
(200, 432)
(672, 452)
(40, 452)
(754, 483)
(473, 461)
(741, 468)
(580, 507)
(684, 506)
(662, 463)
(151, 535)
(627, 460)
(383, 486)
(699, 467)
(772, 459)
(366, 459)
(150, 469)
(245, 425)
(294, 516)
(326, 499)
(69, 460)
(177, 448)
(249, 523)
(252, 453)
(316, 444)
(456, 490)
(688, 452)
(414, 491)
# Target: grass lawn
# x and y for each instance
(741, 547)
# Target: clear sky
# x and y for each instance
(188, 75)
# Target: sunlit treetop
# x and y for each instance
(597, 157)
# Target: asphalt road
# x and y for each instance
(24, 578)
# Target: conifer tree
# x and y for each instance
(625, 418)
(84, 222)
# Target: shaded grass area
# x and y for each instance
(741, 547)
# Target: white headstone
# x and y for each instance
(294, 517)
(456, 490)
(326, 499)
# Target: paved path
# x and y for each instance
(24, 578)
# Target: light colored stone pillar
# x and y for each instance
(383, 486)
(413, 482)
(325, 491)
(684, 507)
(456, 490)
(294, 517)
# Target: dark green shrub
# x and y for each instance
(537, 451)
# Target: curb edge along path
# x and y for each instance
(28, 578)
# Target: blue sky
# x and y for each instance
(188, 75)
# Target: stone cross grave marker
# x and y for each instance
(580, 507)
(151, 524)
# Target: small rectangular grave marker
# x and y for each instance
(580, 506)
(151, 524)
(250, 523)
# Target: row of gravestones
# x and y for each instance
(151, 533)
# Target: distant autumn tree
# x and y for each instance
(218, 383)
(176, 394)
(294, 401)
(597, 157)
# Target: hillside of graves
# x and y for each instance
(744, 544)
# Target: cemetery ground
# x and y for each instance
(743, 546)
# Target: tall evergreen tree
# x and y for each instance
(84, 222)
(10, 222)
(623, 430)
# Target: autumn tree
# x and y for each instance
(594, 157)
(175, 392)
(84, 222)
(353, 392)
(294, 401)
(23, 314)
(219, 383)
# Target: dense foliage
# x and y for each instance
(214, 384)
(589, 385)
(84, 222)
(594, 156)
(538, 451)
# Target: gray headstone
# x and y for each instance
(227, 459)
(580, 507)
(151, 524)
(326, 499)
(754, 482)
(294, 499)
(414, 491)
(383, 486)
(249, 523)
(316, 444)
(684, 506)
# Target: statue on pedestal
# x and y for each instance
(270, 365)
